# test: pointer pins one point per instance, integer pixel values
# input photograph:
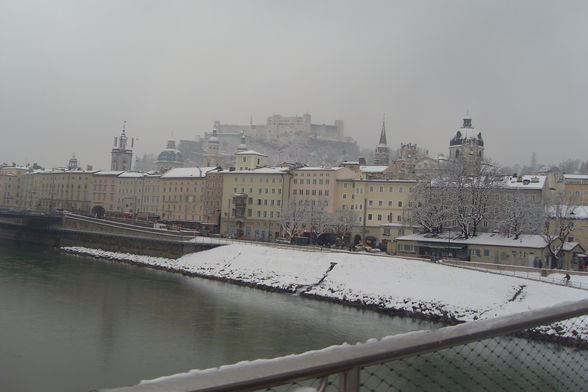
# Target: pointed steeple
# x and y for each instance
(383, 134)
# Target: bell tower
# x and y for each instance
(122, 157)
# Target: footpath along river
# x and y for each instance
(74, 323)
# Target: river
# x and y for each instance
(74, 323)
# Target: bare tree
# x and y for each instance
(430, 206)
(471, 188)
(316, 219)
(293, 218)
(460, 195)
(341, 223)
(517, 215)
(559, 223)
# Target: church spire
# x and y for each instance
(383, 134)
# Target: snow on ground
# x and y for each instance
(385, 282)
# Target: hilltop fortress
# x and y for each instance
(284, 138)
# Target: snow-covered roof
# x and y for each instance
(527, 182)
(65, 171)
(372, 169)
(109, 173)
(377, 180)
(250, 152)
(186, 172)
(569, 246)
(572, 212)
(263, 170)
(575, 176)
(309, 168)
(130, 174)
(16, 168)
(490, 239)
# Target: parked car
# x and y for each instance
(282, 240)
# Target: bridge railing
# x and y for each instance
(504, 353)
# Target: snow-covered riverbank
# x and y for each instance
(387, 283)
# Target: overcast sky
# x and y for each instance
(72, 71)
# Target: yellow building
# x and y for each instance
(68, 190)
(212, 200)
(318, 185)
(9, 190)
(250, 160)
(151, 196)
(576, 188)
(182, 194)
(105, 192)
(252, 202)
(377, 205)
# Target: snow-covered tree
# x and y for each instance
(460, 195)
(341, 223)
(471, 188)
(559, 223)
(293, 218)
(316, 219)
(430, 206)
(517, 215)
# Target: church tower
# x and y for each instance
(73, 163)
(243, 146)
(467, 144)
(212, 155)
(382, 155)
(122, 157)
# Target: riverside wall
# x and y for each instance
(115, 239)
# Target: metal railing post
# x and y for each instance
(349, 380)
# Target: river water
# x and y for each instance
(73, 323)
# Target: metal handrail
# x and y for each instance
(347, 359)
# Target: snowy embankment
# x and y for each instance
(387, 283)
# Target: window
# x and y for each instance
(379, 217)
(369, 216)
(380, 202)
(370, 202)
(486, 252)
(399, 203)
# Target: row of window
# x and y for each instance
(375, 188)
(314, 182)
(313, 174)
(261, 190)
(390, 203)
(260, 179)
(311, 192)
